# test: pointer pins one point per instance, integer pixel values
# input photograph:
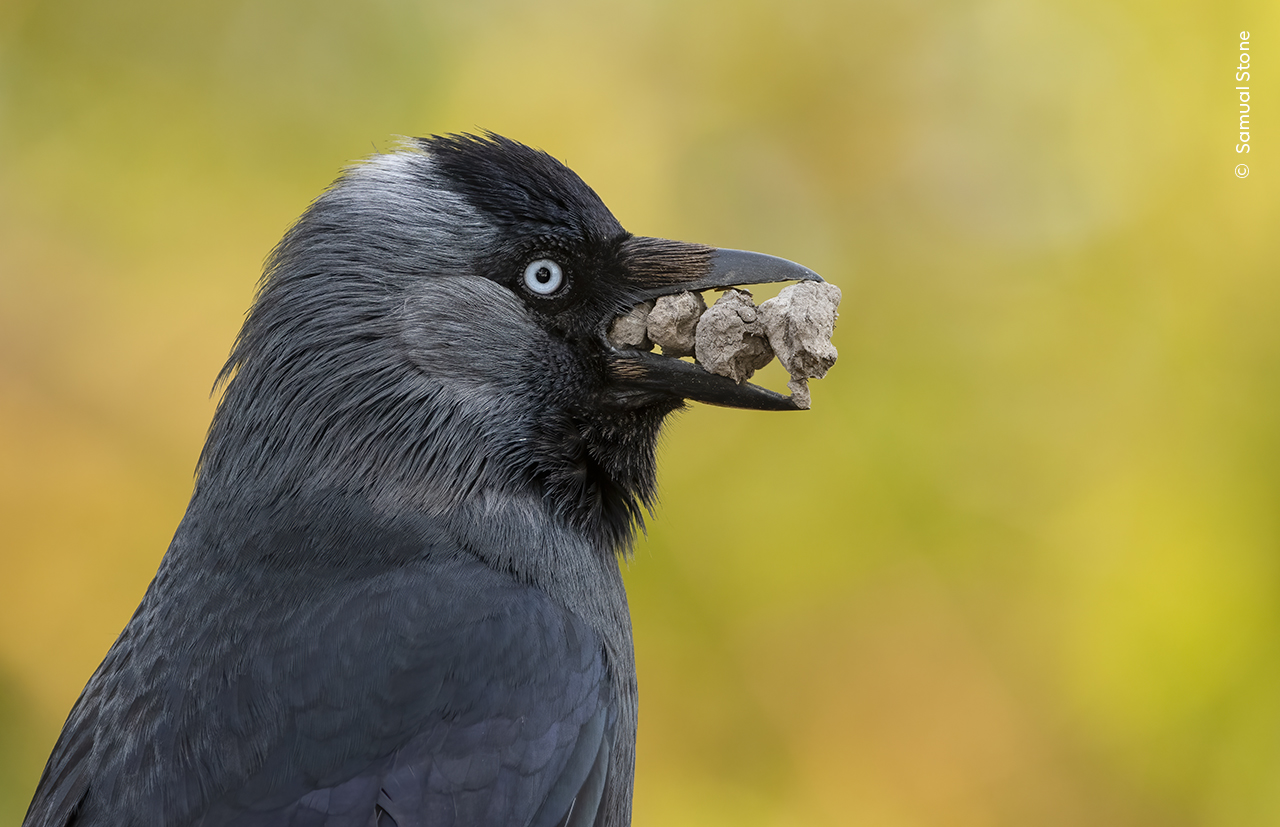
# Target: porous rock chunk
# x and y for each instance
(730, 340)
(630, 329)
(799, 323)
(673, 320)
(799, 392)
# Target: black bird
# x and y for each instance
(394, 598)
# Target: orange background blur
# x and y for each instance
(1021, 563)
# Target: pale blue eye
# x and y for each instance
(543, 276)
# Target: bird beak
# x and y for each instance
(659, 267)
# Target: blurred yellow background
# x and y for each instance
(1021, 563)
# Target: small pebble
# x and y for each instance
(799, 323)
(730, 338)
(629, 329)
(672, 323)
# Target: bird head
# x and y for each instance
(432, 332)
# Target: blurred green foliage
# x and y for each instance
(1020, 563)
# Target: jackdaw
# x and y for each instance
(394, 598)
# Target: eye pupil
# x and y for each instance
(543, 277)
